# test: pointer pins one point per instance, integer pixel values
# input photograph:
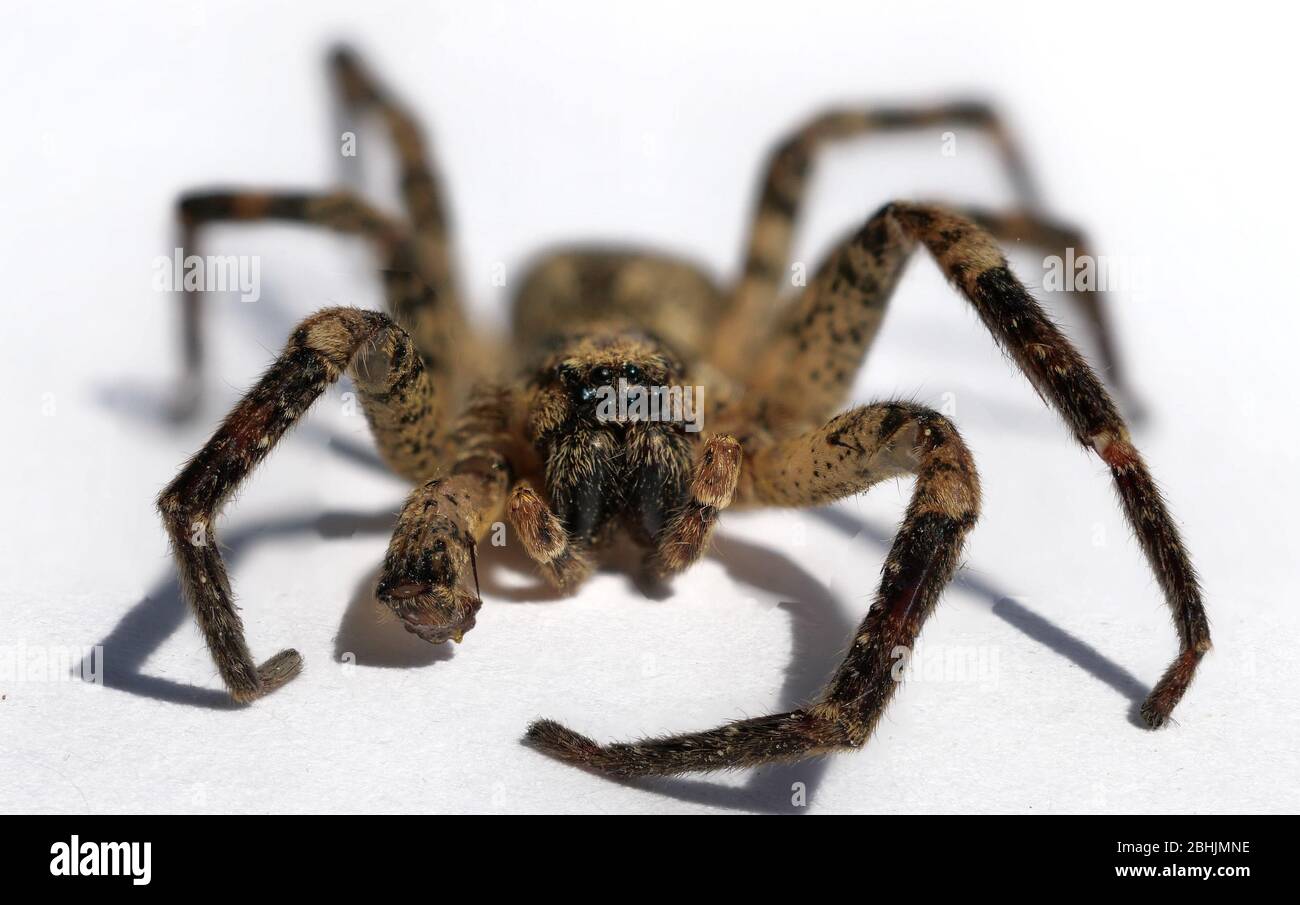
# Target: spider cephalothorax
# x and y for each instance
(566, 456)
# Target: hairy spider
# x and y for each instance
(479, 442)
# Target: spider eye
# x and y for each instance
(602, 377)
(632, 373)
(567, 373)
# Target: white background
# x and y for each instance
(1169, 133)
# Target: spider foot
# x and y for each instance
(279, 670)
(1154, 715)
(562, 743)
(1158, 706)
(779, 738)
(272, 674)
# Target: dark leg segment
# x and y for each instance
(421, 191)
(337, 211)
(1049, 236)
(422, 195)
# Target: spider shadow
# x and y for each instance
(370, 635)
(179, 405)
(820, 628)
(150, 408)
(1016, 614)
(148, 624)
(510, 559)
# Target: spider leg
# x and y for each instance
(757, 298)
(564, 562)
(1045, 236)
(436, 324)
(432, 552)
(851, 453)
(396, 394)
(421, 189)
(754, 300)
(338, 211)
(438, 316)
(809, 365)
(816, 352)
(685, 537)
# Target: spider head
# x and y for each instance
(592, 380)
(616, 449)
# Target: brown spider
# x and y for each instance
(536, 446)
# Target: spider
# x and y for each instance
(481, 442)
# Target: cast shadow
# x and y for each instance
(1003, 605)
(820, 627)
(371, 636)
(820, 630)
(147, 407)
(148, 624)
(368, 633)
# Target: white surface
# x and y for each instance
(1167, 134)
